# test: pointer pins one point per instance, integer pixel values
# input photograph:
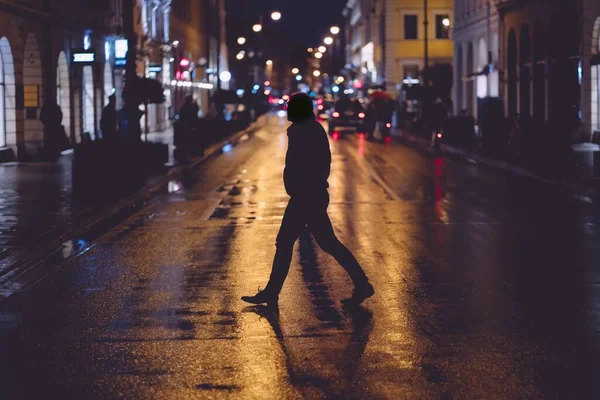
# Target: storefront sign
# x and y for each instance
(80, 56)
(31, 96)
(121, 47)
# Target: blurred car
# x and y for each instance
(347, 113)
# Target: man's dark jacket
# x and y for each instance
(308, 159)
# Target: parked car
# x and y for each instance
(347, 113)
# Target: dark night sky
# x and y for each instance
(307, 21)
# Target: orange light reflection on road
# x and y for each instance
(361, 145)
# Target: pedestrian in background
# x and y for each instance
(307, 168)
(108, 120)
(55, 137)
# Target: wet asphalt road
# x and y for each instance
(487, 287)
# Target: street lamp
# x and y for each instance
(317, 73)
(322, 49)
(298, 78)
(257, 28)
(318, 55)
(275, 15)
(295, 71)
(269, 62)
(225, 76)
(310, 50)
(334, 30)
(241, 40)
(328, 40)
(446, 22)
(240, 55)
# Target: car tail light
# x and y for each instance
(388, 125)
(336, 114)
(361, 115)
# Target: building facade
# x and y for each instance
(550, 59)
(476, 50)
(414, 37)
(73, 53)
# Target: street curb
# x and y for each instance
(473, 158)
(12, 280)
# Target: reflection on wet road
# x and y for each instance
(487, 287)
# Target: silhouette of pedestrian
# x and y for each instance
(108, 120)
(307, 168)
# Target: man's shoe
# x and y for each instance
(360, 294)
(262, 297)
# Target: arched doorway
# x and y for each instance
(33, 94)
(525, 73)
(63, 91)
(482, 61)
(8, 125)
(87, 102)
(511, 61)
(539, 72)
(470, 87)
(459, 79)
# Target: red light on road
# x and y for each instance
(361, 115)
(335, 135)
(184, 63)
(388, 139)
(336, 114)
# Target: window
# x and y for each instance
(411, 27)
(442, 26)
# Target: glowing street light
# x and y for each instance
(446, 22)
(318, 55)
(269, 62)
(241, 40)
(257, 28)
(328, 40)
(240, 55)
(317, 73)
(334, 30)
(340, 79)
(295, 71)
(225, 76)
(310, 50)
(322, 49)
(298, 78)
(275, 15)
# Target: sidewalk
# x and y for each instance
(42, 222)
(585, 189)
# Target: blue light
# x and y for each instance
(281, 113)
(227, 148)
(256, 87)
(312, 94)
(335, 89)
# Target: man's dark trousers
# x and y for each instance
(310, 210)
